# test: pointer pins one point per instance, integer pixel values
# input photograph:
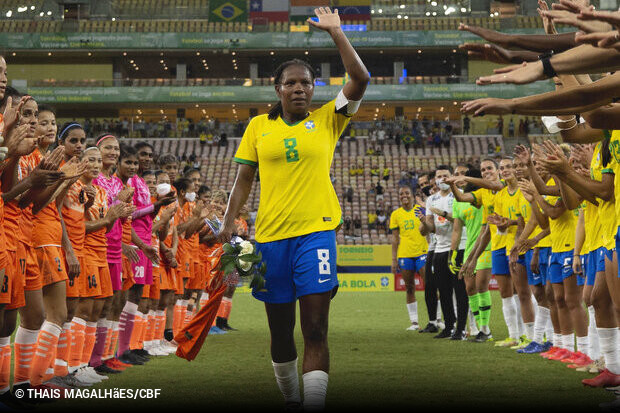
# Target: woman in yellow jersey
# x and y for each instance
(409, 248)
(566, 285)
(298, 210)
(533, 239)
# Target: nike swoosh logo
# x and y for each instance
(323, 281)
(265, 134)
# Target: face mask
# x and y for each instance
(427, 190)
(190, 196)
(163, 189)
(443, 187)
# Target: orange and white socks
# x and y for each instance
(78, 336)
(61, 365)
(5, 364)
(225, 307)
(25, 343)
(45, 352)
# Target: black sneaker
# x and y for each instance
(142, 354)
(444, 334)
(103, 369)
(130, 358)
(222, 323)
(458, 336)
(430, 328)
(483, 338)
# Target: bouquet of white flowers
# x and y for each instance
(241, 258)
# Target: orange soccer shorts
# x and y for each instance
(51, 265)
(196, 281)
(7, 278)
(152, 291)
(101, 273)
(73, 285)
(167, 278)
(29, 265)
(18, 283)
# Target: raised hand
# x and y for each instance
(608, 40)
(74, 168)
(42, 178)
(526, 189)
(523, 154)
(487, 106)
(16, 145)
(51, 161)
(168, 213)
(11, 113)
(328, 20)
(547, 21)
(489, 52)
(516, 74)
(487, 34)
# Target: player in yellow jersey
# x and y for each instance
(409, 248)
(298, 211)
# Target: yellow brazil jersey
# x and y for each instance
(594, 230)
(509, 207)
(297, 196)
(562, 228)
(412, 243)
(609, 211)
(606, 209)
(485, 198)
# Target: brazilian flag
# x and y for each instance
(228, 11)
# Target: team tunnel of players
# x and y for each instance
(110, 283)
(105, 284)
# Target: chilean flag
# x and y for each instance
(269, 10)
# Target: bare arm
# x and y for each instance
(457, 230)
(395, 242)
(534, 42)
(238, 197)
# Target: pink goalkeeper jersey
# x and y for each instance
(112, 186)
(142, 219)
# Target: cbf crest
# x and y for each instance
(310, 125)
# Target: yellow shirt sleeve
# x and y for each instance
(394, 224)
(246, 153)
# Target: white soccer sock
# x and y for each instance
(583, 345)
(540, 323)
(568, 341)
(557, 340)
(549, 331)
(520, 326)
(438, 310)
(595, 350)
(529, 330)
(288, 380)
(608, 339)
(315, 389)
(412, 309)
(473, 327)
(510, 317)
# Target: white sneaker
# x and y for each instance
(168, 346)
(74, 380)
(92, 373)
(413, 327)
(441, 325)
(156, 351)
(82, 375)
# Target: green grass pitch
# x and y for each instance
(375, 364)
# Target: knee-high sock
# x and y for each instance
(136, 335)
(125, 326)
(61, 366)
(540, 323)
(595, 349)
(78, 326)
(510, 317)
(226, 306)
(25, 344)
(100, 343)
(608, 339)
(90, 336)
(315, 390)
(485, 311)
(5, 364)
(474, 306)
(288, 380)
(111, 345)
(520, 325)
(149, 336)
(161, 324)
(45, 352)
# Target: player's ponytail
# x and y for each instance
(276, 109)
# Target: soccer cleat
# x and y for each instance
(507, 342)
(103, 369)
(523, 342)
(216, 330)
(547, 345)
(168, 346)
(413, 327)
(82, 375)
(578, 358)
(156, 351)
(129, 358)
(550, 352)
(59, 382)
(441, 325)
(605, 379)
(430, 328)
(458, 336)
(483, 338)
(222, 324)
(444, 334)
(115, 364)
(91, 371)
(560, 355)
(73, 380)
(532, 348)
